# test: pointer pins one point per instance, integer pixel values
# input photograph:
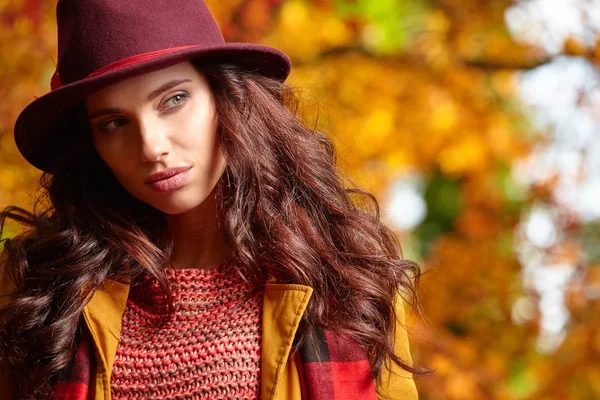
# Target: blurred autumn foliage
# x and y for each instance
(417, 88)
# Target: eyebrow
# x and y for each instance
(151, 96)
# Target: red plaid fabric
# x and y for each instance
(334, 368)
(74, 382)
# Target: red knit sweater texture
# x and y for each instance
(209, 348)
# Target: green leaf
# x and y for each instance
(389, 24)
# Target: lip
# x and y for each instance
(165, 174)
(172, 179)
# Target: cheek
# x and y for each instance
(106, 153)
(116, 159)
(198, 135)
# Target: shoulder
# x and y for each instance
(7, 284)
(7, 291)
(397, 383)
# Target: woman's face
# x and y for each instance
(163, 121)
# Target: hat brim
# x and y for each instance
(37, 134)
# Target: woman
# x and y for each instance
(196, 239)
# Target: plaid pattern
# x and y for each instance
(75, 381)
(336, 368)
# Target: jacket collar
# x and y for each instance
(283, 307)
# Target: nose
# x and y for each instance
(155, 142)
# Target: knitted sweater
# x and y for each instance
(209, 349)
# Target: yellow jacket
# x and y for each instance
(283, 307)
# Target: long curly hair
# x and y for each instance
(287, 213)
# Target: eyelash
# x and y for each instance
(104, 126)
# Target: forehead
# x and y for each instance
(138, 87)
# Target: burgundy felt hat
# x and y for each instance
(101, 42)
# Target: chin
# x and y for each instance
(172, 203)
(174, 206)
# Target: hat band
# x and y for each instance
(56, 83)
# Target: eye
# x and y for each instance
(176, 100)
(107, 127)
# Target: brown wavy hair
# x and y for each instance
(287, 212)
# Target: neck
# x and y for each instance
(198, 237)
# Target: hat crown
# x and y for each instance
(95, 33)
